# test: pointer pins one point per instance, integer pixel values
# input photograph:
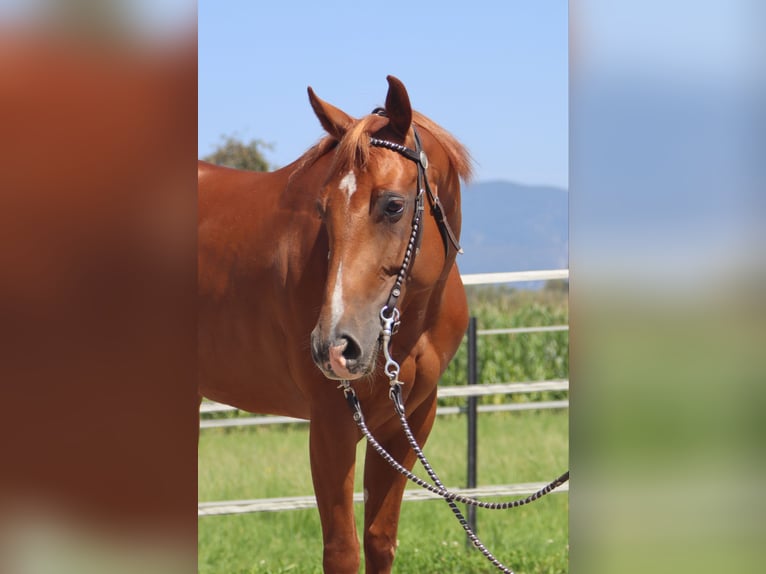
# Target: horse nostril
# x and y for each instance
(352, 352)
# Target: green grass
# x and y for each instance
(252, 462)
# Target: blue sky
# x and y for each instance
(492, 73)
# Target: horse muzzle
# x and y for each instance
(341, 357)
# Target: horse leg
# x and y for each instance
(384, 486)
(332, 446)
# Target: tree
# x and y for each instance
(234, 153)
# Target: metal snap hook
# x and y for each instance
(392, 318)
(391, 368)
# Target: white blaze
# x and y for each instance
(336, 302)
(348, 184)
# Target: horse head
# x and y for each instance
(386, 247)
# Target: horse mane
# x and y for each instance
(354, 149)
(459, 157)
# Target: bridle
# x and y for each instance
(417, 155)
(389, 317)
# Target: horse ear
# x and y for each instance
(398, 107)
(335, 121)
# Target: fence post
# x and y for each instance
(471, 412)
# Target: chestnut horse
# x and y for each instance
(295, 267)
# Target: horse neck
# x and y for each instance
(421, 309)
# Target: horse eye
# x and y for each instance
(394, 207)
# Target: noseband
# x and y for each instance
(417, 155)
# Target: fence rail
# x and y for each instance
(302, 502)
(447, 410)
(514, 277)
(519, 330)
(209, 407)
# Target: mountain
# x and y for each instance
(513, 227)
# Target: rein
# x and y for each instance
(389, 316)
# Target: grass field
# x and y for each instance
(261, 462)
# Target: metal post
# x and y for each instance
(471, 412)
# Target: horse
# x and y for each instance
(296, 268)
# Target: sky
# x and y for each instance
(492, 73)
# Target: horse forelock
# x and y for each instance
(353, 151)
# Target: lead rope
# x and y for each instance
(391, 368)
(395, 394)
(439, 489)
